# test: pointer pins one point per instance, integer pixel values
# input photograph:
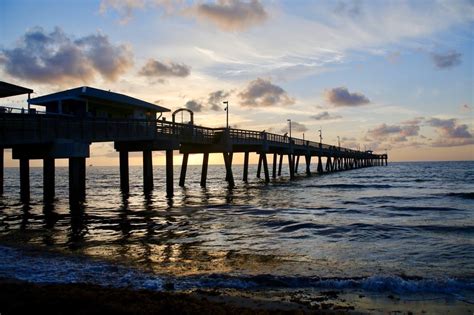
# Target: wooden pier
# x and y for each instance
(49, 137)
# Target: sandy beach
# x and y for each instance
(19, 297)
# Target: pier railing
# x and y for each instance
(17, 129)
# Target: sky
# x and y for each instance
(389, 76)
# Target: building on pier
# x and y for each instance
(91, 102)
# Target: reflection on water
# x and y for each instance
(388, 220)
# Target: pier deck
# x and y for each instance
(48, 137)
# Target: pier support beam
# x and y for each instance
(279, 164)
(308, 164)
(265, 167)
(124, 172)
(246, 166)
(297, 163)
(228, 169)
(320, 165)
(328, 164)
(259, 167)
(184, 166)
(291, 166)
(48, 179)
(1, 171)
(205, 162)
(169, 174)
(24, 179)
(231, 157)
(147, 171)
(77, 179)
(274, 166)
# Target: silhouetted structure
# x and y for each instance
(78, 117)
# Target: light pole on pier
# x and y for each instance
(227, 113)
(289, 122)
(320, 135)
(339, 142)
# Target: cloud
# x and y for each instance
(447, 60)
(295, 127)
(414, 121)
(262, 93)
(194, 105)
(450, 128)
(341, 96)
(325, 116)
(232, 15)
(126, 8)
(156, 69)
(57, 58)
(216, 98)
(393, 133)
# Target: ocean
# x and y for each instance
(405, 228)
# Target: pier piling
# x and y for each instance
(228, 167)
(265, 167)
(279, 164)
(291, 166)
(24, 179)
(48, 179)
(169, 174)
(1, 171)
(184, 166)
(77, 179)
(246, 166)
(308, 164)
(147, 171)
(274, 166)
(205, 162)
(124, 172)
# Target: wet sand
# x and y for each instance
(17, 297)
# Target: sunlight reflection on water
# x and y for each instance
(407, 218)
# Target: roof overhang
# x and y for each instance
(8, 89)
(86, 93)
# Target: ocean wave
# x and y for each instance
(39, 267)
(419, 208)
(377, 283)
(463, 195)
(352, 186)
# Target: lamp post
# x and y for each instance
(289, 122)
(320, 135)
(339, 142)
(227, 113)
